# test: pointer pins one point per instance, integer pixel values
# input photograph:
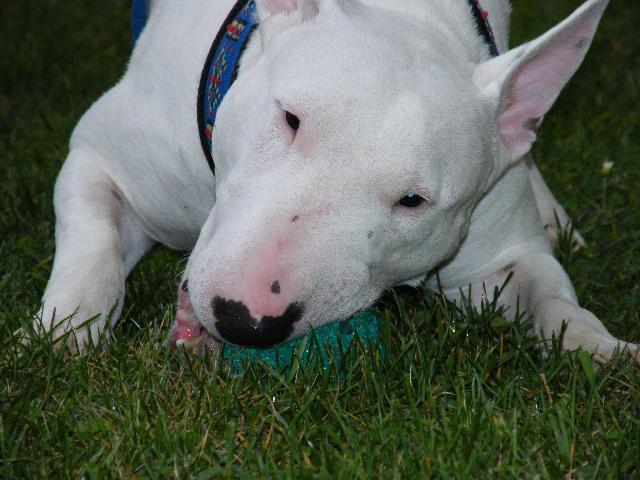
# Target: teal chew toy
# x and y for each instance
(331, 339)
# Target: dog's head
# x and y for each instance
(350, 153)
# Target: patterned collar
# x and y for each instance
(221, 68)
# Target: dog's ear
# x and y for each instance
(278, 15)
(524, 82)
(307, 9)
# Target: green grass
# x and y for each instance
(459, 394)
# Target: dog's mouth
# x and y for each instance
(187, 331)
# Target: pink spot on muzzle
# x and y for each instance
(267, 281)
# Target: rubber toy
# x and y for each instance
(327, 342)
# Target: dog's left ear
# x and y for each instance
(305, 9)
(278, 15)
(524, 82)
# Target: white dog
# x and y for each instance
(364, 144)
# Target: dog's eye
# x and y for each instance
(293, 121)
(411, 200)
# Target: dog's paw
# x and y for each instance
(76, 328)
(187, 331)
(633, 349)
(580, 329)
(559, 234)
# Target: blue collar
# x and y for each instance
(221, 68)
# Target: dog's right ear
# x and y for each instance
(278, 15)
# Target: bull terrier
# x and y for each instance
(363, 144)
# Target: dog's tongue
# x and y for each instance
(187, 331)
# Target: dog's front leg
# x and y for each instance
(537, 285)
(97, 244)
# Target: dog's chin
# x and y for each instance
(188, 332)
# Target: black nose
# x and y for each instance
(236, 325)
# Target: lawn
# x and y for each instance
(458, 393)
